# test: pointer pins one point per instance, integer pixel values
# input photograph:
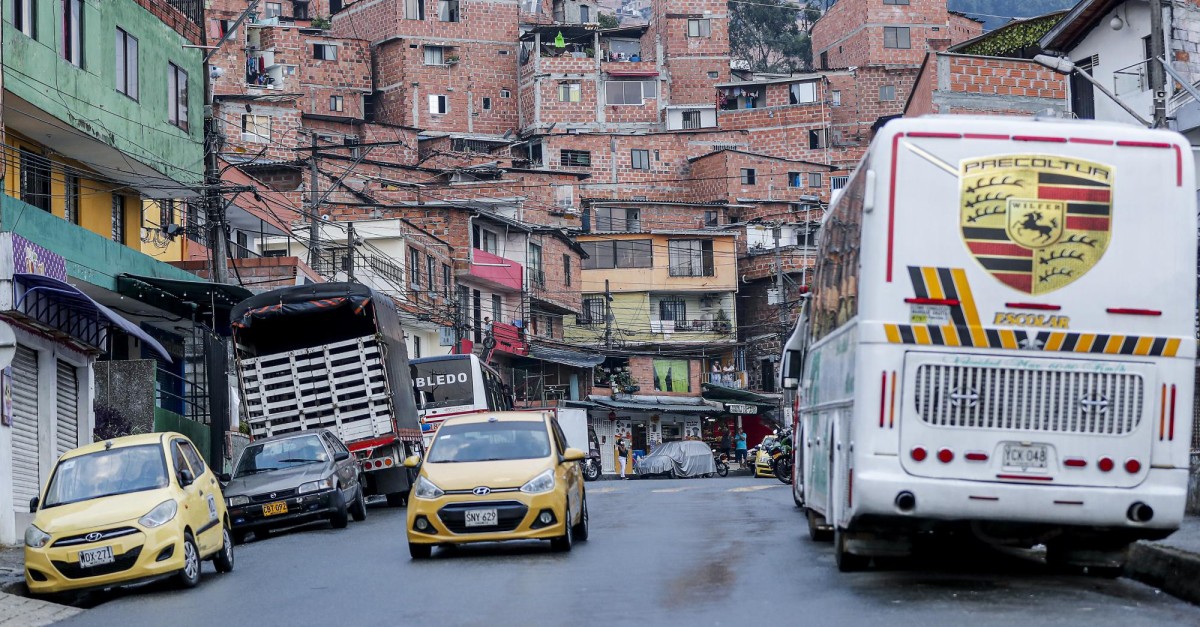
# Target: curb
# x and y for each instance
(1174, 571)
(19, 610)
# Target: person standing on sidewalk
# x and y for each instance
(622, 455)
(727, 443)
(741, 447)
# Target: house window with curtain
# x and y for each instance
(690, 257)
(671, 375)
(72, 29)
(177, 96)
(673, 310)
(567, 270)
(448, 10)
(537, 272)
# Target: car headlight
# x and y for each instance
(541, 483)
(235, 501)
(160, 515)
(315, 486)
(36, 538)
(426, 489)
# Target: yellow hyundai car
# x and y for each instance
(124, 511)
(762, 458)
(494, 477)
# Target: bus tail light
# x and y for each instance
(918, 453)
(388, 462)
(945, 455)
(1132, 466)
(976, 456)
(1105, 464)
(1075, 462)
(1171, 432)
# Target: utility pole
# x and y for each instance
(314, 216)
(1158, 82)
(779, 290)
(608, 316)
(350, 250)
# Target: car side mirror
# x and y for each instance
(573, 455)
(33, 504)
(341, 456)
(224, 477)
(186, 478)
(412, 461)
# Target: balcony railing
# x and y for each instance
(735, 379)
(691, 326)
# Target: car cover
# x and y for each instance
(689, 458)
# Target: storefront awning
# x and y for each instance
(203, 299)
(672, 408)
(59, 293)
(565, 357)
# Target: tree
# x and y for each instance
(608, 20)
(766, 35)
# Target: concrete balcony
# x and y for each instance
(495, 272)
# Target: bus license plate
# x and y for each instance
(1025, 456)
(481, 517)
(274, 509)
(929, 314)
(96, 557)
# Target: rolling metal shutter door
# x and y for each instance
(26, 468)
(68, 408)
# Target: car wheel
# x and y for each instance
(223, 560)
(189, 575)
(563, 543)
(341, 514)
(419, 551)
(581, 530)
(359, 511)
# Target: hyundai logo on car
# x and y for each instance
(481, 490)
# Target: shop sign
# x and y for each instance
(29, 258)
(445, 336)
(737, 408)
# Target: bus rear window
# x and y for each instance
(445, 383)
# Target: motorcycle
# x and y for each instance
(722, 462)
(781, 457)
(590, 465)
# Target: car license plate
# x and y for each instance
(96, 557)
(1025, 457)
(272, 509)
(481, 517)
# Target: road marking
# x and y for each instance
(671, 490)
(602, 490)
(754, 488)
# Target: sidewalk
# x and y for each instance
(1173, 564)
(17, 610)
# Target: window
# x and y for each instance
(72, 29)
(35, 180)
(673, 309)
(416, 346)
(795, 179)
(639, 159)
(618, 254)
(504, 93)
(585, 14)
(439, 104)
(177, 96)
(567, 270)
(690, 257)
(691, 119)
(904, 2)
(712, 218)
(477, 314)
(127, 64)
(807, 235)
(242, 248)
(487, 104)
(802, 93)
(448, 11)
(814, 179)
(414, 268)
(714, 75)
(629, 92)
(274, 9)
(485, 240)
(671, 375)
(166, 213)
(816, 138)
(895, 37)
(256, 128)
(838, 182)
(537, 273)
(497, 308)
(25, 16)
(575, 158)
(446, 280)
(118, 218)
(435, 55)
(300, 10)
(71, 193)
(569, 92)
(593, 310)
(748, 176)
(699, 28)
(414, 9)
(618, 219)
(887, 93)
(336, 103)
(325, 52)
(835, 98)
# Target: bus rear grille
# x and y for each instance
(1028, 400)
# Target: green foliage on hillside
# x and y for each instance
(766, 36)
(1014, 39)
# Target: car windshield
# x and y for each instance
(490, 441)
(767, 442)
(105, 473)
(279, 454)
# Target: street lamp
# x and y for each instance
(1062, 65)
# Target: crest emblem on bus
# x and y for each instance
(1035, 222)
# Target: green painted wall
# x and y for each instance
(198, 433)
(90, 257)
(86, 98)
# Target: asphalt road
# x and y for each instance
(669, 552)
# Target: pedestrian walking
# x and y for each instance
(727, 443)
(622, 456)
(741, 447)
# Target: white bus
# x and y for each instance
(450, 385)
(1001, 338)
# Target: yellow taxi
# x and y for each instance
(762, 458)
(127, 510)
(493, 477)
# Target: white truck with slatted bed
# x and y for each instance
(331, 356)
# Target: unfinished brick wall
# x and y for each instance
(954, 83)
(851, 33)
(554, 293)
(688, 61)
(962, 28)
